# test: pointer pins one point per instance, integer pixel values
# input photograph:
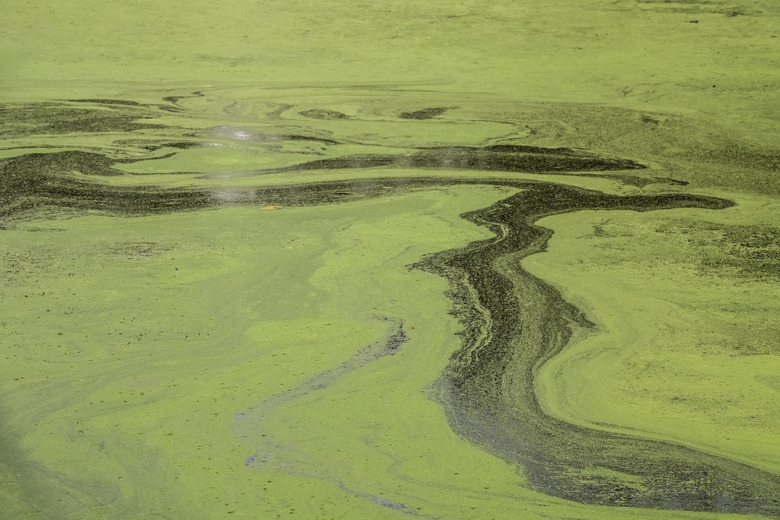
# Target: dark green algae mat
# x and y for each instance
(367, 303)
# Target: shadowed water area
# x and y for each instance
(512, 321)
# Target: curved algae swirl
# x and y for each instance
(512, 321)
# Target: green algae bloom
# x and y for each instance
(389, 261)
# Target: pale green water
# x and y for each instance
(148, 357)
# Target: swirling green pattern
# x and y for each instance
(74, 160)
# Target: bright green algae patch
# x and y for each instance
(153, 333)
(688, 353)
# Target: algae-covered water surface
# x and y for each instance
(314, 261)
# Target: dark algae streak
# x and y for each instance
(426, 113)
(512, 321)
(504, 158)
(61, 180)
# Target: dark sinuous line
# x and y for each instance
(513, 325)
(513, 322)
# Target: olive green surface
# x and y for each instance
(714, 365)
(233, 256)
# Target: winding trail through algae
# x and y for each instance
(488, 387)
(513, 322)
(249, 424)
(250, 427)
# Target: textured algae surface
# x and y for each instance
(659, 269)
(459, 261)
(147, 344)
